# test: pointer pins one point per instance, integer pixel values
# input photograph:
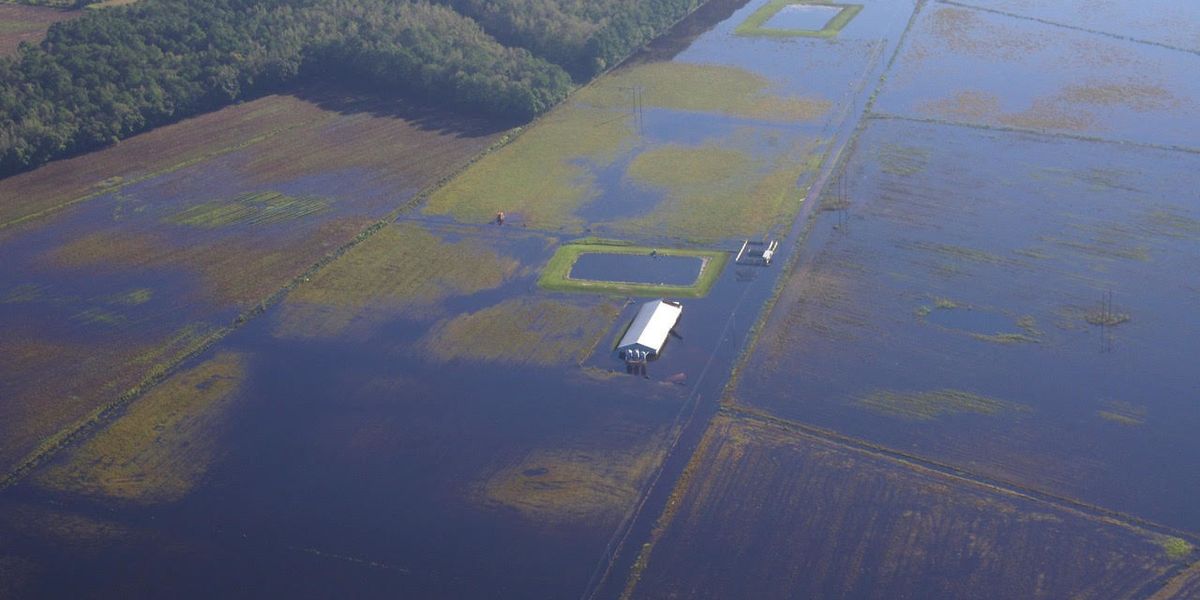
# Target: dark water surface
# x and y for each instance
(637, 268)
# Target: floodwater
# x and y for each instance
(414, 451)
(637, 268)
(986, 266)
(426, 425)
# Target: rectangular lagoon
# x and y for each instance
(638, 268)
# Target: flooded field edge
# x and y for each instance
(622, 563)
(1058, 23)
(1172, 583)
(101, 415)
(884, 116)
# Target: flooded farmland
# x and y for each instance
(327, 368)
(121, 262)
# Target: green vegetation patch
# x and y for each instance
(402, 269)
(714, 193)
(259, 208)
(755, 23)
(523, 331)
(924, 406)
(165, 442)
(571, 484)
(702, 88)
(542, 177)
(557, 273)
(1176, 548)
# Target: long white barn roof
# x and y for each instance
(652, 325)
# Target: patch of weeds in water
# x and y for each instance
(401, 270)
(1171, 222)
(923, 311)
(1123, 413)
(25, 292)
(902, 160)
(1100, 317)
(135, 297)
(1176, 548)
(522, 331)
(1110, 249)
(1097, 179)
(1030, 333)
(63, 527)
(977, 106)
(599, 374)
(929, 405)
(1033, 253)
(258, 208)
(713, 193)
(953, 252)
(98, 316)
(163, 444)
(543, 176)
(556, 275)
(756, 23)
(1006, 338)
(1138, 96)
(945, 304)
(703, 88)
(571, 485)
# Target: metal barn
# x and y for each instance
(649, 330)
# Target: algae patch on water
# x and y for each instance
(401, 270)
(162, 446)
(525, 331)
(703, 88)
(928, 405)
(258, 208)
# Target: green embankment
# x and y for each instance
(754, 24)
(557, 274)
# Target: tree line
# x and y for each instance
(115, 72)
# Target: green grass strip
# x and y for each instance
(753, 25)
(557, 274)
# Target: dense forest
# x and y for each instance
(118, 71)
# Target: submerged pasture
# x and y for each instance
(773, 511)
(979, 67)
(120, 263)
(465, 407)
(971, 382)
(417, 407)
(1005, 290)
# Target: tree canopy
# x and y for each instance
(118, 71)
